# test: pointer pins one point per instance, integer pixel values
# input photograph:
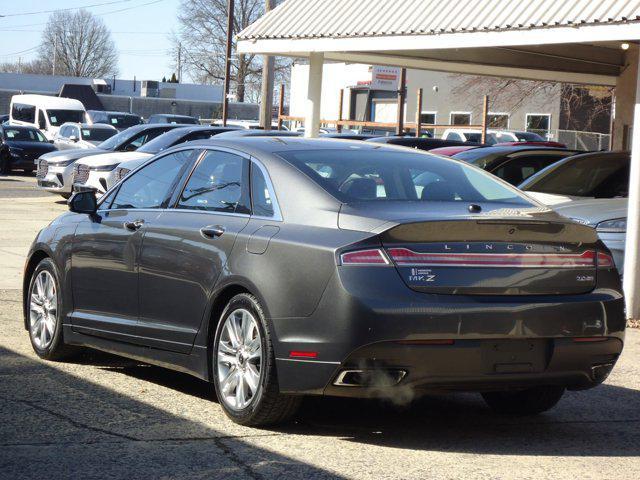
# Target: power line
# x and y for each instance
(63, 9)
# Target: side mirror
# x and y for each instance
(73, 138)
(51, 141)
(83, 202)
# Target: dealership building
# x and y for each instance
(589, 42)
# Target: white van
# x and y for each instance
(45, 112)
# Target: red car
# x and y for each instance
(534, 144)
(450, 151)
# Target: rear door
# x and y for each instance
(187, 248)
(105, 258)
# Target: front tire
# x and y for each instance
(244, 370)
(531, 401)
(44, 310)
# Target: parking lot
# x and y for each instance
(103, 416)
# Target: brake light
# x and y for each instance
(406, 257)
(373, 256)
(605, 260)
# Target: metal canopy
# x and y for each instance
(573, 41)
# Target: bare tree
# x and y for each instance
(30, 66)
(584, 108)
(202, 38)
(78, 44)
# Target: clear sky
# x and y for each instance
(140, 29)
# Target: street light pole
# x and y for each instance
(227, 66)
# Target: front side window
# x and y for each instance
(151, 186)
(384, 175)
(217, 184)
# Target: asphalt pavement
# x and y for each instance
(102, 416)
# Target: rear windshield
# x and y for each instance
(97, 134)
(386, 175)
(58, 117)
(23, 135)
(124, 121)
(600, 176)
(528, 137)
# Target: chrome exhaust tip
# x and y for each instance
(369, 378)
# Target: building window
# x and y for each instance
(428, 118)
(539, 123)
(498, 120)
(460, 118)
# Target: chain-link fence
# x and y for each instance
(589, 141)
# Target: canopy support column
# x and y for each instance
(314, 95)
(632, 246)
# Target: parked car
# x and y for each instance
(119, 120)
(259, 133)
(55, 170)
(546, 143)
(608, 216)
(168, 118)
(45, 112)
(348, 136)
(468, 135)
(82, 135)
(20, 146)
(95, 172)
(513, 164)
(276, 268)
(451, 151)
(422, 143)
(588, 175)
(247, 124)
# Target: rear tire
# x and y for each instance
(44, 311)
(244, 369)
(531, 401)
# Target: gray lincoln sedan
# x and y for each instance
(282, 267)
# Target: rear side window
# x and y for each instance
(152, 185)
(23, 112)
(217, 184)
(387, 175)
(261, 201)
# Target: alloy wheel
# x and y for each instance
(239, 359)
(43, 310)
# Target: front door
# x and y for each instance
(187, 248)
(106, 250)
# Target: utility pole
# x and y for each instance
(268, 63)
(227, 66)
(402, 95)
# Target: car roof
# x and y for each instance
(170, 115)
(48, 101)
(89, 125)
(242, 132)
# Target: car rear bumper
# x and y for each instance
(367, 320)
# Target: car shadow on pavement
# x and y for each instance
(55, 424)
(604, 421)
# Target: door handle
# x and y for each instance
(134, 225)
(212, 231)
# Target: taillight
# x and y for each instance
(373, 256)
(406, 257)
(605, 260)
